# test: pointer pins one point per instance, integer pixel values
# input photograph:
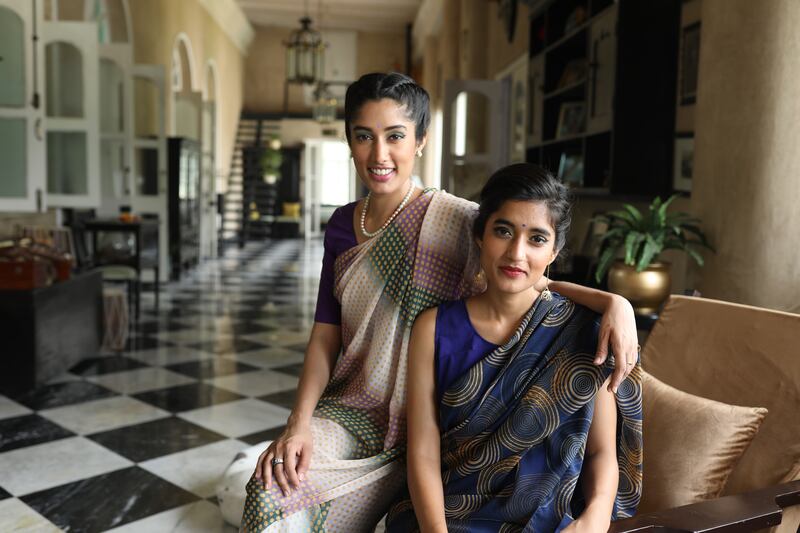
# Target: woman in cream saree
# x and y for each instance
(425, 257)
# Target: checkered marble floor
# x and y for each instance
(136, 441)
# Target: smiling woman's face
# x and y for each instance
(383, 145)
(517, 245)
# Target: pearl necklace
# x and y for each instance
(400, 207)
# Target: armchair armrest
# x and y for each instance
(750, 511)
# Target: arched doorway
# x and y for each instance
(186, 100)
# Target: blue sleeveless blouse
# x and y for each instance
(457, 346)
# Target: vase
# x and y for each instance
(645, 290)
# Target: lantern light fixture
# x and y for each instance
(305, 54)
(324, 107)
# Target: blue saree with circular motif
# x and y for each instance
(514, 429)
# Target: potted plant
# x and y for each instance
(640, 238)
(271, 161)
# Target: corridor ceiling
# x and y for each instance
(360, 15)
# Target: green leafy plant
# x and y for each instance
(643, 236)
(272, 158)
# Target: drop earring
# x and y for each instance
(419, 152)
(546, 294)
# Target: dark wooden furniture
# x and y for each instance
(46, 331)
(602, 92)
(142, 252)
(752, 511)
(183, 204)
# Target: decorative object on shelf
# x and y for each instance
(571, 119)
(291, 209)
(254, 214)
(574, 72)
(570, 169)
(640, 276)
(305, 53)
(271, 161)
(324, 108)
(577, 17)
(683, 164)
(508, 14)
(689, 63)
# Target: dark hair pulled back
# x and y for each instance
(398, 87)
(527, 182)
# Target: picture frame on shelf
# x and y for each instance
(570, 169)
(577, 17)
(592, 240)
(689, 63)
(571, 119)
(683, 163)
(574, 72)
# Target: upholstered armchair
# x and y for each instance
(721, 426)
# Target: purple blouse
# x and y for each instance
(339, 237)
(457, 345)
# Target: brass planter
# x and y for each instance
(646, 290)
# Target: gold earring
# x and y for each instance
(546, 294)
(480, 278)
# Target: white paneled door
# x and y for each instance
(116, 126)
(22, 141)
(71, 105)
(149, 174)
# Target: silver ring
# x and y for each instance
(277, 461)
(630, 364)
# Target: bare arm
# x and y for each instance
(321, 353)
(295, 445)
(617, 328)
(424, 462)
(600, 474)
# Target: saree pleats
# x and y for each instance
(515, 427)
(424, 257)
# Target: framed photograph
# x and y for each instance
(571, 119)
(574, 72)
(590, 247)
(683, 165)
(570, 169)
(689, 63)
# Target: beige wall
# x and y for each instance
(747, 163)
(157, 24)
(266, 66)
(502, 52)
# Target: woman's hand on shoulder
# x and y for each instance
(618, 332)
(295, 446)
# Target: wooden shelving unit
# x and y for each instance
(602, 92)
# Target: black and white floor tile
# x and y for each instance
(136, 441)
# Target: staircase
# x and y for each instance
(249, 205)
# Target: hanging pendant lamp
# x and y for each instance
(305, 54)
(324, 108)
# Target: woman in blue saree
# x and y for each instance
(510, 424)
